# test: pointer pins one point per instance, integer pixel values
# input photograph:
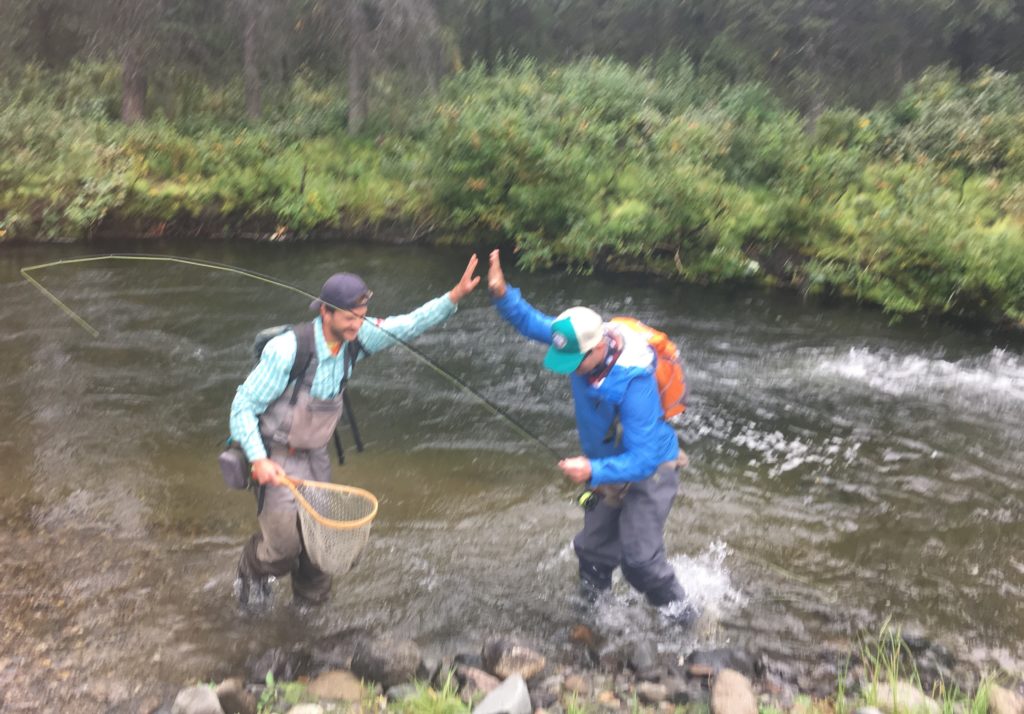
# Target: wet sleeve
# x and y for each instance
(640, 415)
(376, 334)
(528, 320)
(265, 383)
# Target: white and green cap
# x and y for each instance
(573, 333)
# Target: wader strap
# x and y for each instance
(338, 448)
(261, 495)
(303, 356)
(352, 350)
(352, 421)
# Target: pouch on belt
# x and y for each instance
(234, 467)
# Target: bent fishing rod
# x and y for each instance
(234, 270)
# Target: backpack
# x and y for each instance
(669, 371)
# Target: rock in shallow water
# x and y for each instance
(387, 661)
(196, 700)
(512, 697)
(732, 693)
(234, 698)
(287, 665)
(505, 656)
(338, 685)
(1004, 701)
(706, 663)
(905, 697)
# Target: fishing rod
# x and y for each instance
(493, 408)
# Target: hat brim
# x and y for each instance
(562, 362)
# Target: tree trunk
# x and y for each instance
(358, 66)
(488, 37)
(133, 87)
(251, 71)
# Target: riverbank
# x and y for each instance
(916, 206)
(354, 671)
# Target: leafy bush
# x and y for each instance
(917, 205)
(975, 125)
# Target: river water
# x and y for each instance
(843, 471)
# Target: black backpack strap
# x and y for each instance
(304, 348)
(352, 351)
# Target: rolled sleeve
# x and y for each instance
(380, 334)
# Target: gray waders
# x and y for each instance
(629, 532)
(296, 429)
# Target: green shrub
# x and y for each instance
(975, 125)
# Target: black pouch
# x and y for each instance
(234, 467)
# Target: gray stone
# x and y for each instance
(335, 651)
(287, 665)
(512, 697)
(196, 700)
(474, 682)
(387, 661)
(338, 685)
(707, 663)
(235, 698)
(548, 692)
(577, 684)
(1004, 701)
(732, 693)
(504, 657)
(677, 690)
(472, 660)
(651, 693)
(905, 697)
(643, 659)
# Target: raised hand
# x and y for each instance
(466, 283)
(495, 277)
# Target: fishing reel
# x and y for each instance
(588, 500)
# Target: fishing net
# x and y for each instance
(335, 522)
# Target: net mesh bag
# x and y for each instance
(335, 523)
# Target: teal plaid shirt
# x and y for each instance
(269, 378)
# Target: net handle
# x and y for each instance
(292, 484)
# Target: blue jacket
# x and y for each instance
(629, 392)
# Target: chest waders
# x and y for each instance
(298, 421)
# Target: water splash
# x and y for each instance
(997, 375)
(707, 581)
(622, 615)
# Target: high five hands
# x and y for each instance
(466, 283)
(495, 279)
(577, 469)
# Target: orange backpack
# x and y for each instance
(668, 372)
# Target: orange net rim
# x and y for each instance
(293, 484)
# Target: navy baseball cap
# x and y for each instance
(343, 290)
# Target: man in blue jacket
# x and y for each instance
(630, 455)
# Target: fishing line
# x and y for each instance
(493, 408)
